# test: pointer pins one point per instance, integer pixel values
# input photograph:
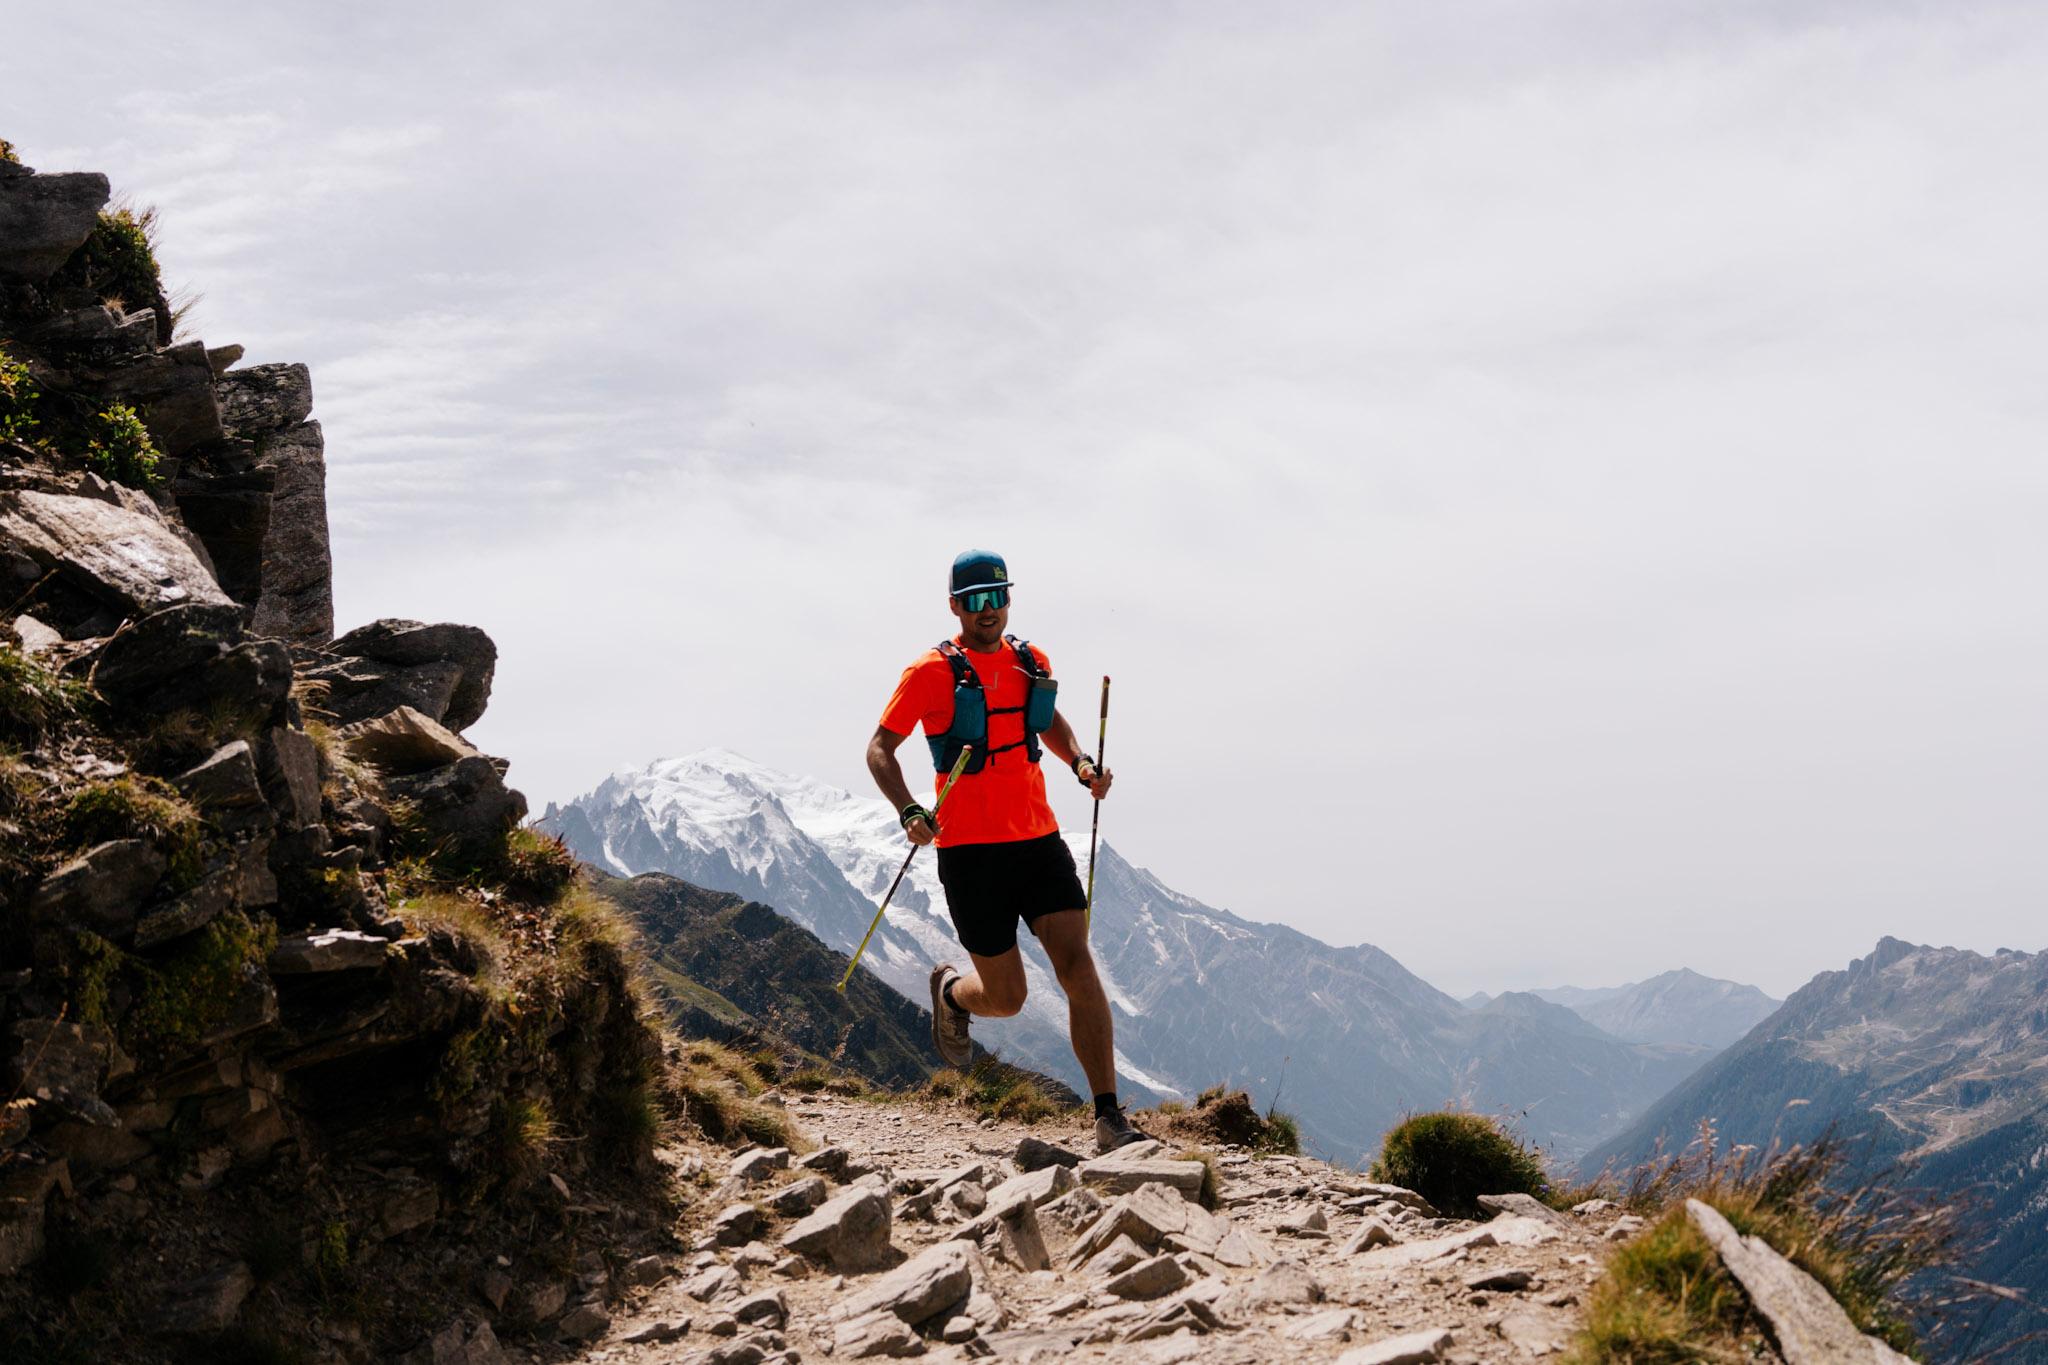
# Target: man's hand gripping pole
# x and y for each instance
(959, 764)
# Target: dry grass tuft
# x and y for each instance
(1666, 1297)
(994, 1089)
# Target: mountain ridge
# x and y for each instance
(1931, 1063)
(1346, 1037)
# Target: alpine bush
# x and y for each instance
(1452, 1158)
(117, 261)
(118, 447)
(17, 399)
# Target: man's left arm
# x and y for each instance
(1059, 737)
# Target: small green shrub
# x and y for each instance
(8, 154)
(118, 260)
(117, 447)
(1451, 1158)
(17, 399)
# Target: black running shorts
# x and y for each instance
(989, 887)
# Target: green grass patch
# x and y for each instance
(31, 696)
(1665, 1296)
(139, 808)
(1451, 1158)
(185, 995)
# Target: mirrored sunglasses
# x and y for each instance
(989, 599)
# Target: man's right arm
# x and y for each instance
(888, 775)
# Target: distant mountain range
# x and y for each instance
(1345, 1038)
(1678, 1007)
(1932, 1062)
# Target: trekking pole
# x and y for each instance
(1095, 826)
(959, 763)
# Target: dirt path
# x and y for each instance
(1277, 1273)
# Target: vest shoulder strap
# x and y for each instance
(1025, 658)
(963, 672)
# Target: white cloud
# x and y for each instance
(1557, 484)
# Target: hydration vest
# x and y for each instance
(971, 709)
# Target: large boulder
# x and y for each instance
(63, 1065)
(297, 598)
(100, 889)
(442, 671)
(463, 810)
(172, 390)
(404, 742)
(43, 219)
(193, 656)
(264, 398)
(100, 327)
(230, 513)
(114, 553)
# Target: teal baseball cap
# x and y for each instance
(974, 570)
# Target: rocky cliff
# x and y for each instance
(302, 1039)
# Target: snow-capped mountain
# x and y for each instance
(1347, 1038)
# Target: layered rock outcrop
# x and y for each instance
(284, 989)
(246, 472)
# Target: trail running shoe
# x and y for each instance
(1114, 1131)
(949, 1025)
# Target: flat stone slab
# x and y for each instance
(330, 950)
(1410, 1348)
(1121, 1177)
(1810, 1328)
(130, 561)
(850, 1232)
(1524, 1206)
(1041, 1186)
(1431, 1249)
(935, 1279)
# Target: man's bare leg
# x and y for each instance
(1064, 936)
(994, 987)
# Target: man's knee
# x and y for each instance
(1002, 998)
(1070, 961)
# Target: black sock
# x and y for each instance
(1105, 1106)
(946, 994)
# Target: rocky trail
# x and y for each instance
(913, 1231)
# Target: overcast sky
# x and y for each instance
(1560, 487)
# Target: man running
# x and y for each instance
(1001, 858)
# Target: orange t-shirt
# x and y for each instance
(1005, 801)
